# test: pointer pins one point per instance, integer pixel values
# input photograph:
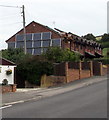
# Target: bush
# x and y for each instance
(32, 69)
(105, 61)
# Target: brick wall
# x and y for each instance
(47, 81)
(104, 69)
(7, 88)
(67, 72)
(73, 74)
(73, 71)
(85, 74)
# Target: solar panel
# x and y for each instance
(20, 44)
(29, 51)
(11, 45)
(46, 43)
(37, 44)
(29, 44)
(28, 36)
(19, 37)
(46, 35)
(37, 36)
(56, 42)
(37, 51)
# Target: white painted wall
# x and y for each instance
(3, 75)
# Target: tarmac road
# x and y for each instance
(85, 102)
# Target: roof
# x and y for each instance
(4, 61)
(33, 30)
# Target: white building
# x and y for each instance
(7, 71)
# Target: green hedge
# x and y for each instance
(32, 70)
(103, 60)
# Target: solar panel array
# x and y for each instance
(11, 45)
(36, 43)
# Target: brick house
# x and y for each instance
(39, 37)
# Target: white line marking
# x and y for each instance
(5, 107)
(14, 102)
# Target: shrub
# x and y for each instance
(32, 69)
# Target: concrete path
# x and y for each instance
(27, 94)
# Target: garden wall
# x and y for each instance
(70, 71)
(7, 88)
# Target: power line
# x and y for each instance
(10, 6)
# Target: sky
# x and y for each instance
(77, 16)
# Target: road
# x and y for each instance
(86, 102)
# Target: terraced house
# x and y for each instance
(39, 37)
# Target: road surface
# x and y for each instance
(86, 102)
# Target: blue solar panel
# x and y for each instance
(11, 45)
(19, 44)
(56, 42)
(46, 35)
(37, 44)
(46, 43)
(19, 37)
(37, 36)
(28, 37)
(29, 44)
(37, 51)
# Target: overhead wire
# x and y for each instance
(10, 6)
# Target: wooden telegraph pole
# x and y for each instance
(24, 30)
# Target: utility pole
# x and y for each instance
(24, 30)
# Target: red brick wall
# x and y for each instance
(73, 74)
(104, 70)
(7, 88)
(75, 71)
(36, 28)
(47, 81)
(85, 74)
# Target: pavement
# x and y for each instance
(28, 94)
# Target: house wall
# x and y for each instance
(34, 27)
(3, 75)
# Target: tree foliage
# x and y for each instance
(15, 55)
(56, 54)
(105, 41)
(105, 38)
(90, 36)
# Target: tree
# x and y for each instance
(56, 54)
(105, 38)
(15, 55)
(90, 36)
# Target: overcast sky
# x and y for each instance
(77, 16)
